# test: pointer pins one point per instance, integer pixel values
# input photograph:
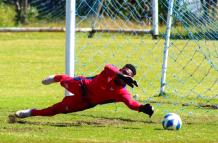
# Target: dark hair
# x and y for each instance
(132, 68)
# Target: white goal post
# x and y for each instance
(70, 38)
(166, 47)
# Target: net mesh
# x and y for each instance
(120, 36)
(198, 53)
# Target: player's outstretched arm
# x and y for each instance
(134, 105)
(128, 80)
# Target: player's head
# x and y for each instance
(129, 70)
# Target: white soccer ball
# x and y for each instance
(172, 121)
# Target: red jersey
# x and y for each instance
(103, 89)
(89, 92)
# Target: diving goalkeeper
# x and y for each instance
(106, 87)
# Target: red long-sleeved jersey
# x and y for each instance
(102, 89)
(89, 92)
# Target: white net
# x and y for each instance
(199, 21)
(111, 31)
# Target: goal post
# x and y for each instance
(70, 38)
(155, 31)
(166, 47)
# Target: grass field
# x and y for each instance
(26, 58)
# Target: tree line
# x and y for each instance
(26, 9)
(51, 9)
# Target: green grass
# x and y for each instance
(26, 58)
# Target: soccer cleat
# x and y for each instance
(23, 113)
(48, 80)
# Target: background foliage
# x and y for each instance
(38, 9)
(7, 15)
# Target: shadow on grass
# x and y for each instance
(117, 119)
(159, 129)
(98, 121)
(80, 123)
(66, 124)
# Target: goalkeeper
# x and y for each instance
(106, 87)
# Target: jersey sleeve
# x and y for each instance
(111, 70)
(126, 98)
(107, 75)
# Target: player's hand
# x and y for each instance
(128, 80)
(147, 109)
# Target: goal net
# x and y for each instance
(119, 32)
(193, 63)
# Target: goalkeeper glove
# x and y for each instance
(128, 80)
(147, 109)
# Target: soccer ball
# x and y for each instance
(172, 121)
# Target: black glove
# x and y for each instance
(128, 80)
(147, 109)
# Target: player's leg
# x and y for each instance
(68, 105)
(71, 84)
(54, 78)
